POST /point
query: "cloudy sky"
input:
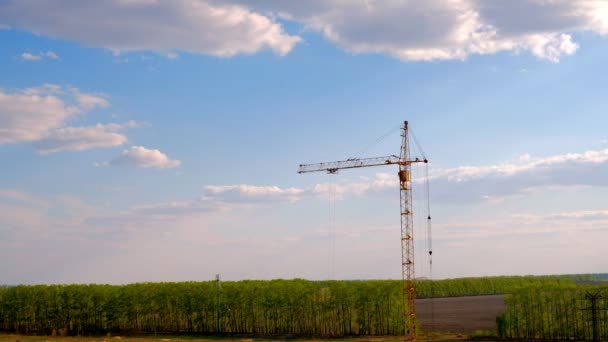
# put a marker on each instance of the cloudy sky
(151, 140)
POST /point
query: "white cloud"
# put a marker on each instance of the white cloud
(571, 161)
(550, 47)
(83, 138)
(552, 242)
(29, 57)
(252, 193)
(38, 57)
(30, 114)
(587, 215)
(405, 29)
(196, 26)
(464, 183)
(492, 181)
(415, 30)
(380, 182)
(227, 197)
(39, 115)
(522, 225)
(142, 157)
(51, 55)
(45, 89)
(88, 101)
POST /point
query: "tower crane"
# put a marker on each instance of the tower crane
(407, 227)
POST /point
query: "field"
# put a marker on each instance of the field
(21, 338)
(296, 307)
(449, 319)
(460, 314)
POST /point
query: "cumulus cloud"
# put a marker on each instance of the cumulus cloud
(30, 114)
(215, 199)
(523, 225)
(38, 57)
(83, 138)
(414, 30)
(222, 198)
(380, 182)
(464, 183)
(88, 101)
(491, 181)
(196, 26)
(252, 194)
(248, 193)
(39, 115)
(226, 197)
(29, 57)
(409, 30)
(51, 55)
(140, 156)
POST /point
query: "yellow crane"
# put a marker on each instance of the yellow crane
(407, 227)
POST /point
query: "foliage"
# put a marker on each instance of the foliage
(286, 307)
(553, 312)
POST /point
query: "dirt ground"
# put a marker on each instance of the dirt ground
(460, 314)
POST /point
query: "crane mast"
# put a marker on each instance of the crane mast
(407, 238)
(407, 227)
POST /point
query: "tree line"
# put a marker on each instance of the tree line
(555, 312)
(285, 307)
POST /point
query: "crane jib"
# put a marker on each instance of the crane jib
(333, 167)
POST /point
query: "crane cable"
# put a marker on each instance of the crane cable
(331, 191)
(375, 142)
(429, 241)
(418, 145)
(429, 236)
(428, 218)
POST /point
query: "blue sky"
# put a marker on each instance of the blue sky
(146, 140)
